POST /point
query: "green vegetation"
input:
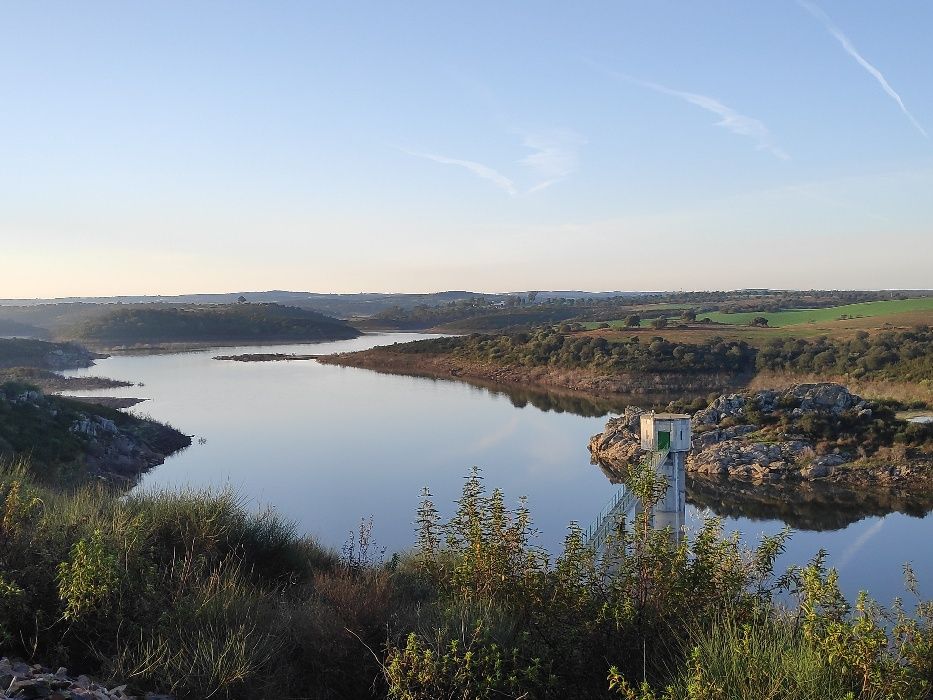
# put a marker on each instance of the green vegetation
(29, 429)
(776, 318)
(185, 593)
(897, 356)
(553, 348)
(207, 323)
(193, 595)
(856, 432)
(476, 314)
(792, 317)
(43, 428)
(522, 312)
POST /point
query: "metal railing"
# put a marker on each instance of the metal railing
(622, 503)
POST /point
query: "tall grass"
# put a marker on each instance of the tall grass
(767, 659)
(188, 593)
(194, 594)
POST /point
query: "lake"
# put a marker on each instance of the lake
(326, 446)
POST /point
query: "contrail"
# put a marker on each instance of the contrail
(853, 52)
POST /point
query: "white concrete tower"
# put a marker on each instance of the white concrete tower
(668, 435)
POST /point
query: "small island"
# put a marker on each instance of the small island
(266, 357)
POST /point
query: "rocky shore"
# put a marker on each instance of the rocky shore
(21, 680)
(81, 439)
(805, 432)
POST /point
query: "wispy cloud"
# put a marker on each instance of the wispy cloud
(484, 171)
(730, 119)
(861, 60)
(554, 156)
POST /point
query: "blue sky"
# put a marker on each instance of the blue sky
(413, 146)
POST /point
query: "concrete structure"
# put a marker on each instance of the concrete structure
(668, 435)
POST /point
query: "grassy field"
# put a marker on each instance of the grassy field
(794, 317)
(759, 337)
(800, 323)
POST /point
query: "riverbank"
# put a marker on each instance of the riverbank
(585, 381)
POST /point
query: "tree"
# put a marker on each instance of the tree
(632, 321)
(688, 315)
(759, 321)
(659, 322)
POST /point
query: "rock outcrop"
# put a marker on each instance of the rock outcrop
(86, 441)
(770, 436)
(21, 680)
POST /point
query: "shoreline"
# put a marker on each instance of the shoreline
(593, 386)
(196, 346)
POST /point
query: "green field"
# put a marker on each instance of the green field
(794, 317)
(797, 317)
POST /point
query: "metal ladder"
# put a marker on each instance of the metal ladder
(622, 503)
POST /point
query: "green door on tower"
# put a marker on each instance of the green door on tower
(664, 440)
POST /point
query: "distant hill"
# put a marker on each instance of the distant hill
(451, 311)
(207, 324)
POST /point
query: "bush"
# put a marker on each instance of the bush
(192, 595)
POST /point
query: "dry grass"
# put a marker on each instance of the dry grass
(874, 389)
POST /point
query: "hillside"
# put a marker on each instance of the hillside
(71, 441)
(22, 352)
(208, 324)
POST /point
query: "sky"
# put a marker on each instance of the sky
(173, 147)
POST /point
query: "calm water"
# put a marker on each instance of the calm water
(327, 446)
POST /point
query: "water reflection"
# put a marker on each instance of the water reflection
(560, 400)
(328, 445)
(807, 505)
(803, 505)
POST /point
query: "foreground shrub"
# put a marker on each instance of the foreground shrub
(186, 593)
(194, 595)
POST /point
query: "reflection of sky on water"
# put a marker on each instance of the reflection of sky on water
(328, 445)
